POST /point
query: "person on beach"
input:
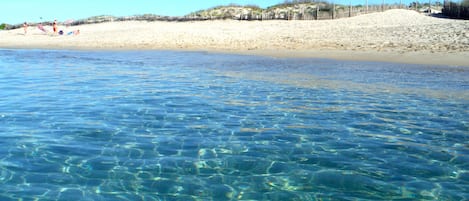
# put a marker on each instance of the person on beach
(54, 26)
(74, 32)
(25, 27)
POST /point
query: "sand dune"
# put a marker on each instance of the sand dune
(394, 35)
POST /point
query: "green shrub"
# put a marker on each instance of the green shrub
(2, 26)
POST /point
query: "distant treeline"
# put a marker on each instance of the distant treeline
(456, 10)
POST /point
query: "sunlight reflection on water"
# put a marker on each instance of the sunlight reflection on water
(80, 125)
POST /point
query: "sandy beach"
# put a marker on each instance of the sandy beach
(395, 35)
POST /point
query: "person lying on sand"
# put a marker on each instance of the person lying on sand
(74, 32)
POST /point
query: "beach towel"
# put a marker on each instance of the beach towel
(40, 27)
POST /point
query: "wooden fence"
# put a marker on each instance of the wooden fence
(456, 10)
(320, 13)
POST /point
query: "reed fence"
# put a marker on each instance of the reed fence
(325, 12)
(456, 10)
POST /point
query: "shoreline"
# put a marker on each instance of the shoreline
(420, 58)
(458, 59)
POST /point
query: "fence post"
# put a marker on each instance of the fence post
(430, 6)
(317, 11)
(333, 10)
(449, 6)
(366, 6)
(350, 9)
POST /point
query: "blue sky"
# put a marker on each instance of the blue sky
(19, 11)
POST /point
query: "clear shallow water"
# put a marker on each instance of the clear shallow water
(78, 125)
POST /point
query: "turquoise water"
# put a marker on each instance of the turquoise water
(151, 125)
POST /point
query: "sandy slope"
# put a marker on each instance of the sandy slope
(394, 35)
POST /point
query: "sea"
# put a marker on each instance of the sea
(172, 125)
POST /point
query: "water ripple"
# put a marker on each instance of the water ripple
(79, 125)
